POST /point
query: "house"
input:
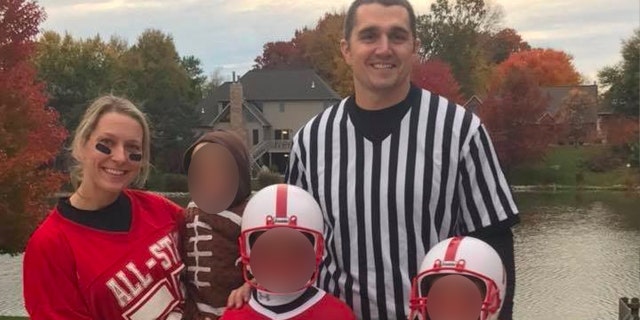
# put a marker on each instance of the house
(473, 104)
(266, 108)
(558, 96)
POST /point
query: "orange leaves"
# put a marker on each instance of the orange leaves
(621, 130)
(435, 76)
(31, 135)
(549, 67)
(511, 113)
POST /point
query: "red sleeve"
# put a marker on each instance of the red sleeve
(50, 287)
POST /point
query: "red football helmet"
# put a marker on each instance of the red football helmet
(280, 206)
(464, 256)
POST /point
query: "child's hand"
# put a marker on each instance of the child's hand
(239, 297)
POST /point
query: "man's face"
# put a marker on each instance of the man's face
(381, 48)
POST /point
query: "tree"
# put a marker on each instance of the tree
(435, 76)
(511, 113)
(162, 87)
(451, 32)
(317, 48)
(574, 113)
(321, 47)
(30, 134)
(214, 80)
(77, 71)
(193, 66)
(281, 55)
(499, 46)
(549, 67)
(621, 130)
(623, 79)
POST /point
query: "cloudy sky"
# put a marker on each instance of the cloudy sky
(229, 34)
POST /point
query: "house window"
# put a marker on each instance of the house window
(283, 134)
(256, 137)
(281, 106)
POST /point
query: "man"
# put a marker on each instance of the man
(396, 170)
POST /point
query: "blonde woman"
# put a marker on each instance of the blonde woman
(107, 252)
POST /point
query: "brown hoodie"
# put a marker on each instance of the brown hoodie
(210, 241)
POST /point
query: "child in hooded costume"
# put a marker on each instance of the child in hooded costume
(220, 185)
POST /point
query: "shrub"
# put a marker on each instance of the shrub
(267, 178)
(176, 183)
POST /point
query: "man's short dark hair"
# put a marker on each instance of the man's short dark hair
(350, 20)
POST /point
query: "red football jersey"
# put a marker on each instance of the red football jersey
(321, 306)
(75, 272)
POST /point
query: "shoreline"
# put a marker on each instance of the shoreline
(514, 188)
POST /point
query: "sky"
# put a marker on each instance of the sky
(229, 34)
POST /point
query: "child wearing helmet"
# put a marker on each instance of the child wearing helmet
(461, 278)
(281, 246)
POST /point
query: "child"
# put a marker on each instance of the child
(281, 246)
(219, 184)
(461, 278)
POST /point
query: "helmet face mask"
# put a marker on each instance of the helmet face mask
(284, 225)
(476, 266)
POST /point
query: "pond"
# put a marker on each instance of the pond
(576, 255)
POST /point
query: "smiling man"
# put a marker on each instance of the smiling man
(396, 170)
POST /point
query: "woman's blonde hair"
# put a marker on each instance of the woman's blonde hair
(100, 107)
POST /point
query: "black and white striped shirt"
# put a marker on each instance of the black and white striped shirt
(388, 198)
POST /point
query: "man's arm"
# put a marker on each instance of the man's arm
(487, 209)
(502, 241)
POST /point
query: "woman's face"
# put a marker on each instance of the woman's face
(454, 297)
(282, 260)
(213, 177)
(106, 158)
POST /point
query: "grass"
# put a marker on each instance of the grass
(12, 318)
(564, 164)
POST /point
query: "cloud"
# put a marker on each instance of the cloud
(230, 34)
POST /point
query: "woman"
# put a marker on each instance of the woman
(107, 252)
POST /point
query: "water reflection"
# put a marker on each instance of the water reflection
(576, 254)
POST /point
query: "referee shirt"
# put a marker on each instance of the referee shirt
(392, 183)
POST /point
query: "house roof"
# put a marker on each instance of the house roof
(282, 85)
(270, 85)
(557, 95)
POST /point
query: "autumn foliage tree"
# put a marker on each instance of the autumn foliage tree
(281, 55)
(453, 31)
(549, 67)
(317, 48)
(500, 45)
(621, 130)
(511, 112)
(435, 76)
(30, 134)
